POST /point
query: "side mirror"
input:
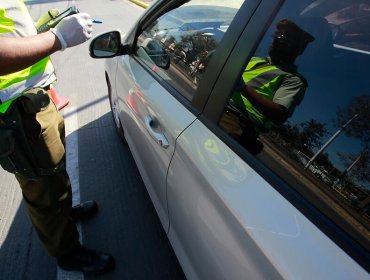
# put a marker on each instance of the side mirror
(107, 45)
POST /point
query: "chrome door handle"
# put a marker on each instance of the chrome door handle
(160, 138)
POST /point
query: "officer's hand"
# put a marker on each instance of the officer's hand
(73, 30)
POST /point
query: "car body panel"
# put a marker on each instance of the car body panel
(140, 96)
(221, 208)
(224, 217)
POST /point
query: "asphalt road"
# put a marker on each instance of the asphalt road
(102, 167)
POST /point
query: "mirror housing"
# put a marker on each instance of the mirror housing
(108, 45)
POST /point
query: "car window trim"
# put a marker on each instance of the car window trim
(157, 10)
(222, 53)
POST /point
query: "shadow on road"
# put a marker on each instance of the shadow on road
(21, 255)
(127, 225)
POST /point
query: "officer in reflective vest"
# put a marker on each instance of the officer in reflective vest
(271, 87)
(32, 143)
(17, 23)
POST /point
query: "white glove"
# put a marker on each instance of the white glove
(73, 30)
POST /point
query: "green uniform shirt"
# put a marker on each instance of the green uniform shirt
(282, 85)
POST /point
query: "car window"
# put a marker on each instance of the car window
(302, 106)
(179, 45)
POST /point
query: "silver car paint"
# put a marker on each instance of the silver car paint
(228, 223)
(141, 96)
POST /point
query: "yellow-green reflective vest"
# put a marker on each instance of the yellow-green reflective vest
(265, 79)
(15, 21)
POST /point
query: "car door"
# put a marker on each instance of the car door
(150, 128)
(156, 84)
(236, 215)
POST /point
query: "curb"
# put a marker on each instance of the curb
(140, 3)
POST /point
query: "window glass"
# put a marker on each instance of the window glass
(178, 45)
(303, 104)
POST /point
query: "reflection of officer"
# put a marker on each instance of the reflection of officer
(272, 87)
(108, 44)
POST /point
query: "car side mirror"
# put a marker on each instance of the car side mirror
(108, 45)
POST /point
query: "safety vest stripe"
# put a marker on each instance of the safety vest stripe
(265, 77)
(6, 23)
(5, 106)
(42, 72)
(7, 81)
(15, 24)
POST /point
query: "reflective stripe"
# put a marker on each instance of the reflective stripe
(15, 21)
(265, 79)
(6, 23)
(38, 75)
(8, 80)
(5, 106)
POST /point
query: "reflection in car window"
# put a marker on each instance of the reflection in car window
(179, 45)
(106, 45)
(303, 107)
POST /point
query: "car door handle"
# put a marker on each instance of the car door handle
(160, 138)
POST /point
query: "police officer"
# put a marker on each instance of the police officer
(38, 159)
(271, 87)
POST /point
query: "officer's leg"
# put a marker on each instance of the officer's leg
(242, 130)
(230, 123)
(48, 199)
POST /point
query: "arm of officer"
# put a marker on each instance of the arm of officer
(275, 112)
(19, 53)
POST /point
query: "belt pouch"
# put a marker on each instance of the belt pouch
(14, 156)
(35, 100)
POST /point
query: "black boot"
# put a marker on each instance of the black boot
(86, 260)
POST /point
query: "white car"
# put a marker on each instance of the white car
(232, 211)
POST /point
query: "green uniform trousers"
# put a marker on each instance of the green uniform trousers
(49, 198)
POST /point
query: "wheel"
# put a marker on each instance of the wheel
(115, 112)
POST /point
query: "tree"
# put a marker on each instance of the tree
(359, 111)
(357, 165)
(323, 160)
(356, 119)
(287, 132)
(311, 133)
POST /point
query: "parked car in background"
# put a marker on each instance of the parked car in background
(230, 213)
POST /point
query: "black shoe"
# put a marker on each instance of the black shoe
(84, 210)
(87, 261)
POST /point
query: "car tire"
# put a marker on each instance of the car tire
(114, 110)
